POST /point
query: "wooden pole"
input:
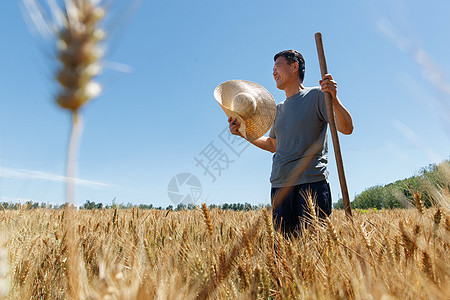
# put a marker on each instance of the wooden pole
(332, 123)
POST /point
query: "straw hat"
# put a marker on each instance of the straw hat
(251, 104)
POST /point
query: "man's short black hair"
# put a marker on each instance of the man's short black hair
(293, 56)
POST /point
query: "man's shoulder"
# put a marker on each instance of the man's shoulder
(312, 90)
(306, 92)
(313, 94)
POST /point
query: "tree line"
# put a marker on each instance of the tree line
(91, 205)
(399, 194)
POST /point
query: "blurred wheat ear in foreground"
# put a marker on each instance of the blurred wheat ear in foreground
(74, 27)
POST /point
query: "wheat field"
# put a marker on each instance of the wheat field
(218, 254)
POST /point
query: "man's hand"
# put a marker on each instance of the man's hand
(329, 85)
(265, 143)
(234, 126)
(344, 122)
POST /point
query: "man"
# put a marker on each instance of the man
(300, 122)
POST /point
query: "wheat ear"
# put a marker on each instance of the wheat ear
(419, 203)
(207, 218)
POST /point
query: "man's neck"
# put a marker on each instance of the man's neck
(293, 89)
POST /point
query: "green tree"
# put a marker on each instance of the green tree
(369, 198)
(339, 204)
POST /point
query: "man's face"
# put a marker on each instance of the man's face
(283, 73)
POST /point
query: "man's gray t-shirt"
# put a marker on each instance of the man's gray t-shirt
(300, 121)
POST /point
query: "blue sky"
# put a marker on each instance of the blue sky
(390, 59)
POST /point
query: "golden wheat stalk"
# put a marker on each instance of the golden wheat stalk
(247, 241)
(332, 230)
(427, 266)
(419, 203)
(269, 228)
(311, 211)
(437, 217)
(207, 218)
(409, 243)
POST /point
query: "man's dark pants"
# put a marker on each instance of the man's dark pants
(290, 213)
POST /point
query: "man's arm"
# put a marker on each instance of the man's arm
(265, 143)
(342, 117)
(344, 122)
